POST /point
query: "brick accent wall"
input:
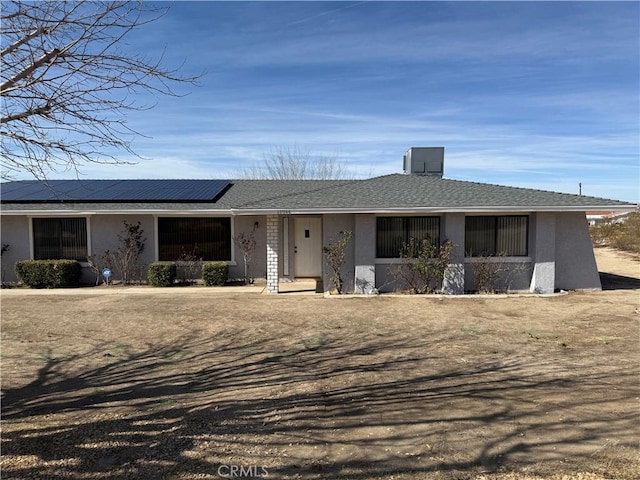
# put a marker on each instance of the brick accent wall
(272, 253)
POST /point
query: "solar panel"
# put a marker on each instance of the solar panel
(113, 190)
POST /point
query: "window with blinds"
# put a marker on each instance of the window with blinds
(206, 238)
(60, 239)
(393, 233)
(497, 235)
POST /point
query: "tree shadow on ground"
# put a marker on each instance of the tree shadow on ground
(324, 408)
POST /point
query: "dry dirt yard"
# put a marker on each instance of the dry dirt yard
(189, 383)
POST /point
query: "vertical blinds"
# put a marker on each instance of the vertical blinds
(206, 238)
(60, 239)
(502, 235)
(392, 233)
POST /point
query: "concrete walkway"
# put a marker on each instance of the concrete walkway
(290, 288)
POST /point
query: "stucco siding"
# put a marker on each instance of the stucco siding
(104, 230)
(15, 233)
(576, 267)
(332, 225)
(515, 275)
(453, 231)
(258, 265)
(365, 254)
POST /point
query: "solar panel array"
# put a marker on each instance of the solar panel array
(113, 190)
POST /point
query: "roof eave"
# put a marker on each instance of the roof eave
(6, 210)
(124, 211)
(438, 209)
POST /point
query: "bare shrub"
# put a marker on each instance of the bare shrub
(98, 263)
(188, 266)
(246, 243)
(422, 265)
(334, 254)
(493, 273)
(126, 259)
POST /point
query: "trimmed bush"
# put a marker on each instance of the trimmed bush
(48, 273)
(215, 273)
(162, 274)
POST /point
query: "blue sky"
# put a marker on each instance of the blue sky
(541, 94)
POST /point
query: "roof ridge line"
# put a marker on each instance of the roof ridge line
(313, 190)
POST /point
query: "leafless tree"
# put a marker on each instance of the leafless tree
(294, 163)
(246, 243)
(67, 82)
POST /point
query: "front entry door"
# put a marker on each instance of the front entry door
(308, 247)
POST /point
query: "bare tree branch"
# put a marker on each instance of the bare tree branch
(67, 81)
(293, 163)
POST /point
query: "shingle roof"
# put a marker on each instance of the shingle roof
(389, 192)
(411, 191)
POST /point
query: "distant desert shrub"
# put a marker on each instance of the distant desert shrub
(622, 236)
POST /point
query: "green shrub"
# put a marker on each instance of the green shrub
(162, 274)
(48, 273)
(215, 273)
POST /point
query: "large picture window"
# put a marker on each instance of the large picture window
(392, 233)
(206, 238)
(496, 235)
(60, 239)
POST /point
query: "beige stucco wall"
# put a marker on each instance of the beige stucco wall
(14, 231)
(573, 259)
(103, 235)
(259, 261)
(332, 225)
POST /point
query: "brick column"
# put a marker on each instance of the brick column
(272, 253)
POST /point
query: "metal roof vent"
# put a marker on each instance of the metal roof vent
(424, 161)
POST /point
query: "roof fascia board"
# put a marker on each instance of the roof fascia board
(190, 212)
(317, 211)
(484, 209)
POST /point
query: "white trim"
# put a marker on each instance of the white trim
(89, 243)
(388, 261)
(141, 211)
(232, 222)
(523, 209)
(156, 242)
(494, 259)
(498, 259)
(285, 246)
(318, 211)
(31, 246)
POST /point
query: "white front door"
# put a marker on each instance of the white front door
(308, 247)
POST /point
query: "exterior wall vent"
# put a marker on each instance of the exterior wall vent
(424, 161)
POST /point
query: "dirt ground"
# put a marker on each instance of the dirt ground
(244, 385)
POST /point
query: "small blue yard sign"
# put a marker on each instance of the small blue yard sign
(106, 273)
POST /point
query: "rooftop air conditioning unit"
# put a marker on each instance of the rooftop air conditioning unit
(424, 161)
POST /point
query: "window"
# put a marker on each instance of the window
(506, 235)
(394, 232)
(60, 239)
(209, 238)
